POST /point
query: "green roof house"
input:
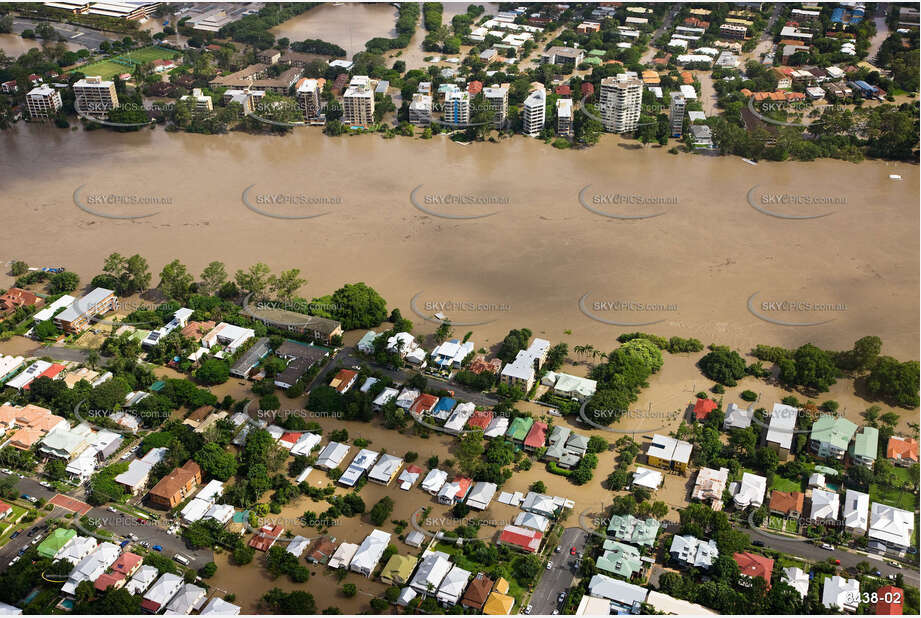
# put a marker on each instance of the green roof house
(593, 60)
(519, 429)
(629, 529)
(619, 559)
(55, 542)
(831, 436)
(597, 52)
(863, 450)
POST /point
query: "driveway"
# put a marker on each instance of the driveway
(559, 578)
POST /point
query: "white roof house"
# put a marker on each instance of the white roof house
(841, 593)
(385, 469)
(459, 417)
(532, 520)
(618, 592)
(574, 387)
(24, 378)
(332, 455)
(797, 579)
(452, 353)
(219, 607)
(142, 579)
(414, 539)
(891, 526)
(342, 556)
(386, 396)
(497, 427)
(188, 598)
(736, 417)
(408, 477)
(825, 505)
(163, 590)
(856, 511)
(751, 491)
(522, 368)
(194, 510)
(406, 398)
(360, 464)
(91, 567)
(48, 312)
(228, 335)
(540, 504)
(297, 545)
(481, 495)
(650, 479)
(219, 512)
(368, 383)
(688, 91)
(710, 485)
(691, 551)
(670, 605)
(305, 443)
(369, 552)
(431, 572)
(77, 549)
(780, 428)
(138, 470)
(434, 481)
(453, 586)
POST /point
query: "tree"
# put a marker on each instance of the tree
(56, 469)
(349, 590)
(815, 368)
(381, 511)
(895, 382)
(63, 282)
(18, 267)
(357, 305)
(287, 283)
(255, 280)
(175, 281)
(216, 462)
(723, 365)
(469, 450)
(213, 371)
(212, 278)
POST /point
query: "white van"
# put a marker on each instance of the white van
(182, 560)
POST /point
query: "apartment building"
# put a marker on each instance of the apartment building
(676, 114)
(43, 102)
(520, 372)
(358, 103)
(534, 113)
(733, 31)
(420, 110)
(564, 117)
(176, 486)
(200, 102)
(457, 107)
(308, 99)
(256, 77)
(497, 99)
(621, 100)
(95, 96)
(77, 317)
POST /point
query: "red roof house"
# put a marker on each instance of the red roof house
(703, 407)
(889, 601)
(521, 538)
(344, 380)
(290, 438)
(5, 509)
(564, 90)
(537, 436)
(127, 564)
(480, 419)
(755, 565)
(51, 372)
(902, 450)
(266, 537)
(475, 87)
(423, 404)
(109, 580)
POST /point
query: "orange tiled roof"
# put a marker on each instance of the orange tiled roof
(786, 502)
(902, 448)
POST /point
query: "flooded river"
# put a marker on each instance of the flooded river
(349, 26)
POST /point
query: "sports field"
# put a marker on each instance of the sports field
(124, 63)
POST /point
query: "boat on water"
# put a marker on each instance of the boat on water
(749, 161)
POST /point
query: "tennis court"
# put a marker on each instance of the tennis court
(71, 504)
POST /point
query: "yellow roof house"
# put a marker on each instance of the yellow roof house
(398, 569)
(498, 605)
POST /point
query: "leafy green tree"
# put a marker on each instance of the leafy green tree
(216, 462)
(175, 281)
(63, 282)
(212, 278)
(213, 371)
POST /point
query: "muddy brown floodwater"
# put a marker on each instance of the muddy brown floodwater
(349, 26)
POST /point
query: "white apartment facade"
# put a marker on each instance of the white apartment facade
(621, 100)
(95, 96)
(358, 103)
(43, 102)
(534, 113)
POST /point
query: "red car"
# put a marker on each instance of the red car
(572, 551)
(837, 562)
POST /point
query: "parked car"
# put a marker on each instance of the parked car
(827, 546)
(15, 534)
(557, 550)
(527, 610)
(111, 509)
(549, 564)
(572, 550)
(758, 543)
(157, 548)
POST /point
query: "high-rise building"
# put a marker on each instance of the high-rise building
(420, 110)
(676, 114)
(43, 102)
(358, 103)
(308, 99)
(457, 107)
(200, 102)
(95, 96)
(621, 101)
(497, 99)
(534, 112)
(564, 117)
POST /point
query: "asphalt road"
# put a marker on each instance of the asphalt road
(72, 34)
(60, 353)
(559, 578)
(814, 553)
(30, 487)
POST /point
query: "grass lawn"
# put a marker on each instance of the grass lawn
(782, 484)
(893, 497)
(515, 589)
(775, 522)
(7, 528)
(109, 68)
